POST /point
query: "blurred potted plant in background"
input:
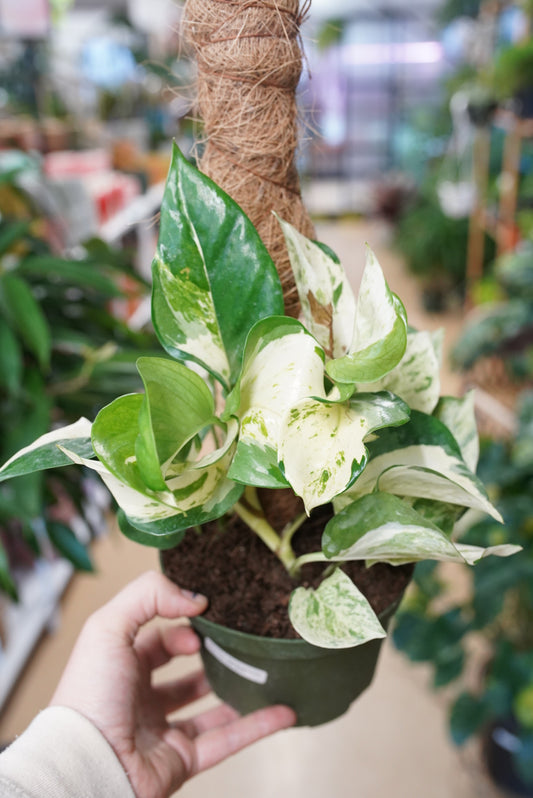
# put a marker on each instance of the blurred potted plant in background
(511, 76)
(498, 612)
(62, 353)
(503, 328)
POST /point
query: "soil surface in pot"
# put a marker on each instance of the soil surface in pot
(249, 589)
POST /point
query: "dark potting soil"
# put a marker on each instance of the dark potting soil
(247, 586)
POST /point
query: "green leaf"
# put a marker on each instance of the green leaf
(73, 272)
(421, 459)
(468, 715)
(326, 297)
(335, 615)
(282, 363)
(380, 334)
(322, 443)
(459, 416)
(11, 359)
(68, 545)
(213, 276)
(45, 453)
(192, 490)
(11, 233)
(449, 664)
(381, 527)
(7, 583)
(24, 315)
(416, 378)
(176, 407)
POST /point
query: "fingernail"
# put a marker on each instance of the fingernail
(193, 596)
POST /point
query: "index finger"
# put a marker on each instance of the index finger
(148, 596)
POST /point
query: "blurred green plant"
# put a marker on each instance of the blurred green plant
(62, 353)
(505, 327)
(434, 245)
(498, 608)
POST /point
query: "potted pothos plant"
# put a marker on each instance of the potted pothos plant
(341, 409)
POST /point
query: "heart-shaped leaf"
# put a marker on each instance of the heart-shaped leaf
(335, 615)
(213, 278)
(421, 459)
(176, 407)
(45, 453)
(282, 364)
(322, 443)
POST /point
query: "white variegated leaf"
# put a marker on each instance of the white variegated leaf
(380, 527)
(426, 472)
(322, 443)
(473, 554)
(148, 506)
(459, 416)
(197, 334)
(326, 297)
(380, 331)
(335, 615)
(416, 378)
(45, 452)
(278, 371)
(191, 489)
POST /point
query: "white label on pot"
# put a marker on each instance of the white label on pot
(249, 672)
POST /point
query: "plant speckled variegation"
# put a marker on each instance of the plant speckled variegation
(342, 406)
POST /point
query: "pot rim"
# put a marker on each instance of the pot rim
(283, 646)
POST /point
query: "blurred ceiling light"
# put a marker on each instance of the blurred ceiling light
(393, 53)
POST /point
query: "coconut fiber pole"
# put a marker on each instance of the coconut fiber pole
(249, 63)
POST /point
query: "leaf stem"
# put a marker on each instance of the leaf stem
(286, 554)
(258, 524)
(250, 510)
(315, 556)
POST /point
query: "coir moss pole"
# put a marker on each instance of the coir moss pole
(249, 63)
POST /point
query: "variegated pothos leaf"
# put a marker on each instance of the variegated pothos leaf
(335, 615)
(326, 297)
(380, 332)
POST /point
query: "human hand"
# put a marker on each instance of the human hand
(108, 680)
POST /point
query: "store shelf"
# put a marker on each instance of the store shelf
(25, 622)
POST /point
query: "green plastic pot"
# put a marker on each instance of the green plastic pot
(250, 672)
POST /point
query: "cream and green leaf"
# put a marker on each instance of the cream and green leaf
(416, 378)
(213, 276)
(380, 527)
(335, 615)
(380, 332)
(322, 446)
(420, 460)
(326, 296)
(282, 364)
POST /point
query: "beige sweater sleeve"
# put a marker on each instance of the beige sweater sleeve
(62, 755)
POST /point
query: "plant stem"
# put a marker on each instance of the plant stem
(286, 554)
(258, 524)
(251, 512)
(315, 556)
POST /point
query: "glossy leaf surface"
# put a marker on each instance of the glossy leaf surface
(335, 615)
(380, 332)
(322, 443)
(282, 364)
(45, 453)
(213, 276)
(326, 297)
